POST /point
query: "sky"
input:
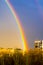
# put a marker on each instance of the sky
(9, 32)
(30, 13)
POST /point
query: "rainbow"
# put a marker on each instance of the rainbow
(25, 47)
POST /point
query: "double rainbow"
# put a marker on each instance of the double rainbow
(19, 24)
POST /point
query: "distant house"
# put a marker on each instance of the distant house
(38, 44)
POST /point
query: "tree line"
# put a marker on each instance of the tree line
(32, 57)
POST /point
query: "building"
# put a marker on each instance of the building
(39, 44)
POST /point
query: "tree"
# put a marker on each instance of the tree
(8, 60)
(18, 58)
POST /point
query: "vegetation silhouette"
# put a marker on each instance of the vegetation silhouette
(32, 57)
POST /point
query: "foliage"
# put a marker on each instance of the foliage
(32, 57)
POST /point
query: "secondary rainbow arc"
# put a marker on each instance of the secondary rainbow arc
(25, 47)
